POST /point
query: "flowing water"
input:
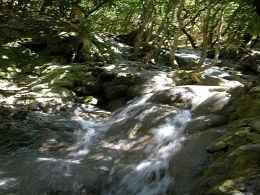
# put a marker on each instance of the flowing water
(58, 172)
(150, 174)
(129, 153)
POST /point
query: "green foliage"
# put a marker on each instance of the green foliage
(155, 18)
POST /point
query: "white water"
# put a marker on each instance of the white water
(150, 175)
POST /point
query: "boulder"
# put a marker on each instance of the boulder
(148, 81)
(205, 122)
(187, 59)
(215, 104)
(180, 97)
(188, 164)
(250, 62)
(235, 170)
(238, 173)
(113, 91)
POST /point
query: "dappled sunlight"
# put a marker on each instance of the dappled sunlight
(148, 174)
(7, 183)
(78, 116)
(5, 57)
(110, 67)
(124, 144)
(71, 161)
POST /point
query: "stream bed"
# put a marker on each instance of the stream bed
(134, 150)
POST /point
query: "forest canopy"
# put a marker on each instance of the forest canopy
(153, 24)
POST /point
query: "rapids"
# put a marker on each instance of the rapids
(155, 144)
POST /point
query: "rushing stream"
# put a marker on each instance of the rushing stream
(130, 153)
(150, 174)
(136, 150)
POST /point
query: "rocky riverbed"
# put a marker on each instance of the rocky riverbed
(104, 127)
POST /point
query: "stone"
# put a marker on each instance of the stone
(177, 96)
(191, 160)
(215, 104)
(205, 122)
(250, 62)
(115, 104)
(255, 124)
(238, 172)
(187, 59)
(114, 91)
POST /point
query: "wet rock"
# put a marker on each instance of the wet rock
(238, 173)
(178, 97)
(188, 164)
(114, 91)
(141, 120)
(138, 90)
(187, 59)
(115, 104)
(148, 81)
(250, 62)
(205, 122)
(215, 104)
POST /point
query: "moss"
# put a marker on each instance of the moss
(15, 58)
(236, 169)
(68, 76)
(91, 100)
(247, 110)
(234, 138)
(232, 174)
(255, 124)
(242, 170)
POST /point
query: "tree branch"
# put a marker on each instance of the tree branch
(102, 3)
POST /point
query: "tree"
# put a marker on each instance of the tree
(177, 33)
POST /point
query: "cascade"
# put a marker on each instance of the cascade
(150, 174)
(131, 152)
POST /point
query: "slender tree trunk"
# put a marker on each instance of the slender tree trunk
(148, 9)
(167, 20)
(149, 33)
(177, 35)
(205, 34)
(217, 44)
(82, 32)
(190, 38)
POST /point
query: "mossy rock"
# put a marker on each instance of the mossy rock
(237, 173)
(255, 124)
(13, 58)
(68, 76)
(236, 169)
(248, 106)
(231, 140)
(16, 58)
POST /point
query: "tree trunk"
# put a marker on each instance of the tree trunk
(167, 20)
(205, 34)
(190, 38)
(217, 44)
(148, 9)
(89, 49)
(177, 35)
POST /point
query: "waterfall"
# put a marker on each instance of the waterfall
(150, 175)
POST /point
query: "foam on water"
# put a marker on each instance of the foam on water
(150, 175)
